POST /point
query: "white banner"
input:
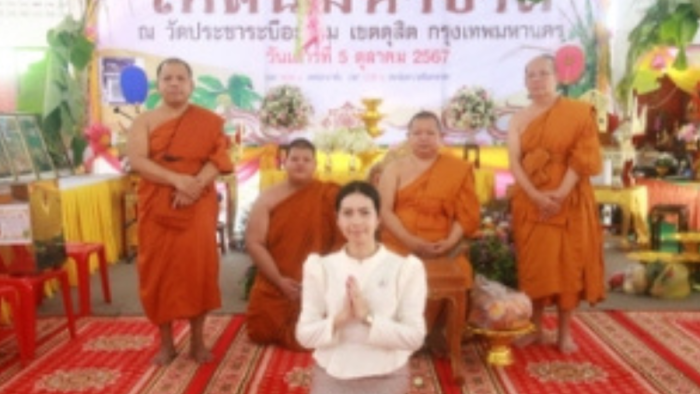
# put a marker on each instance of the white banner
(412, 54)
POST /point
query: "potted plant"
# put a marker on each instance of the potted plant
(69, 56)
(492, 253)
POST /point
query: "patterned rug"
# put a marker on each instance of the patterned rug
(620, 353)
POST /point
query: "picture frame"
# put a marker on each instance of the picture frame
(34, 141)
(15, 149)
(5, 167)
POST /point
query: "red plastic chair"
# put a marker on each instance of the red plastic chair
(27, 286)
(80, 252)
(11, 296)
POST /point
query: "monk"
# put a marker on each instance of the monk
(428, 200)
(288, 222)
(178, 149)
(553, 149)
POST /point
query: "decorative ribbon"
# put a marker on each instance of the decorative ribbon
(308, 26)
(302, 11)
(313, 25)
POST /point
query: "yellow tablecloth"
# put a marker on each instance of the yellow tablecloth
(634, 203)
(93, 212)
(484, 180)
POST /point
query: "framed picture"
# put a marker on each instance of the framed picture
(15, 148)
(53, 143)
(34, 141)
(111, 68)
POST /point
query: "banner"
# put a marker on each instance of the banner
(411, 54)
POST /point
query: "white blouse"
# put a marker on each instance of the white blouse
(395, 289)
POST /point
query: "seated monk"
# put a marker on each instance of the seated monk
(428, 200)
(179, 150)
(288, 222)
(553, 151)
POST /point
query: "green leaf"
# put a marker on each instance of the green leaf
(153, 100)
(77, 146)
(81, 52)
(68, 122)
(688, 28)
(204, 98)
(240, 89)
(696, 7)
(52, 122)
(669, 31)
(211, 83)
(54, 92)
(681, 62)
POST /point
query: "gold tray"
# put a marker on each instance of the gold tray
(499, 341)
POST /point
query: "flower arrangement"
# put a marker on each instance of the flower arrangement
(285, 107)
(354, 141)
(492, 253)
(349, 140)
(665, 160)
(470, 108)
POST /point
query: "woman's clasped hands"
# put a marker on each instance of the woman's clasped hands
(354, 305)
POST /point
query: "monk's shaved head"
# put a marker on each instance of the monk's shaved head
(425, 115)
(549, 59)
(302, 144)
(173, 60)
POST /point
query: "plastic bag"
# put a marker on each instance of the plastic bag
(672, 283)
(497, 307)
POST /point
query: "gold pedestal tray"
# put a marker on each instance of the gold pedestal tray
(499, 352)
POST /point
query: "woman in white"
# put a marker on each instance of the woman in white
(362, 307)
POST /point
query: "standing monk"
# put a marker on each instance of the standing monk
(288, 222)
(553, 150)
(178, 149)
(428, 200)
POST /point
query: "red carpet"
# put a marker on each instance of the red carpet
(620, 353)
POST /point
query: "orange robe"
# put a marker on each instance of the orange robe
(428, 207)
(178, 260)
(560, 260)
(302, 224)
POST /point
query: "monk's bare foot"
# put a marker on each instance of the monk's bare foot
(164, 357)
(202, 355)
(567, 345)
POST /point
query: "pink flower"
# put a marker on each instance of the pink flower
(569, 63)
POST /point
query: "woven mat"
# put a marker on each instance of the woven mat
(630, 352)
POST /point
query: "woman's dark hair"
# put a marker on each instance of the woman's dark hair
(362, 187)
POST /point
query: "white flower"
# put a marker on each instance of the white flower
(326, 141)
(354, 141)
(285, 107)
(470, 108)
